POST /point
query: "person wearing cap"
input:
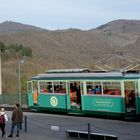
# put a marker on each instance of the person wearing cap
(3, 119)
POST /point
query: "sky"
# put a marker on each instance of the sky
(64, 14)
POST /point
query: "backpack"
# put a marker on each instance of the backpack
(2, 119)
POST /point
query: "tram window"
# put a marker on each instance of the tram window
(112, 88)
(43, 87)
(35, 85)
(94, 88)
(49, 87)
(130, 93)
(59, 87)
(29, 87)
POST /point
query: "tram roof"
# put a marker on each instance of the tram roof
(86, 73)
(78, 75)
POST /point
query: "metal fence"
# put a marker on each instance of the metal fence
(12, 99)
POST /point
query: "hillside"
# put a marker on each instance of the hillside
(65, 48)
(120, 32)
(11, 27)
(71, 48)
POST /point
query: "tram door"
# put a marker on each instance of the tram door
(130, 88)
(75, 91)
(35, 93)
(30, 93)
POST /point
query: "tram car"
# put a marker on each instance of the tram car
(80, 91)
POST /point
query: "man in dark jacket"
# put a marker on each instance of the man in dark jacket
(17, 117)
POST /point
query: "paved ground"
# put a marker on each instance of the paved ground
(41, 127)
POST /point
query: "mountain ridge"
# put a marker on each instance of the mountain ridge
(70, 48)
(11, 26)
(104, 39)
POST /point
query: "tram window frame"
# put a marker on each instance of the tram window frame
(47, 87)
(35, 85)
(29, 86)
(111, 88)
(130, 91)
(43, 87)
(59, 87)
(91, 87)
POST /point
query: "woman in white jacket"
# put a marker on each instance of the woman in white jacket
(3, 119)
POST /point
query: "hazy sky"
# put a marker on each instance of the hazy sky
(62, 14)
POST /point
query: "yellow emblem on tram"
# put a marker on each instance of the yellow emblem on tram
(54, 101)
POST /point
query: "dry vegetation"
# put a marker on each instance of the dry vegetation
(70, 48)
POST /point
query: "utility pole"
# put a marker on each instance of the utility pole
(19, 81)
(20, 62)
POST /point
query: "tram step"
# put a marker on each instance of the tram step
(131, 118)
(75, 107)
(34, 110)
(130, 111)
(75, 112)
(130, 114)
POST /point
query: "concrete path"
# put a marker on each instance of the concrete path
(41, 126)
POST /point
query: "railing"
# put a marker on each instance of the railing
(12, 99)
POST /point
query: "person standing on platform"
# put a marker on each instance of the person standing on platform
(3, 119)
(17, 117)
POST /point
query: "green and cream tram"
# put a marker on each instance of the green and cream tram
(81, 91)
